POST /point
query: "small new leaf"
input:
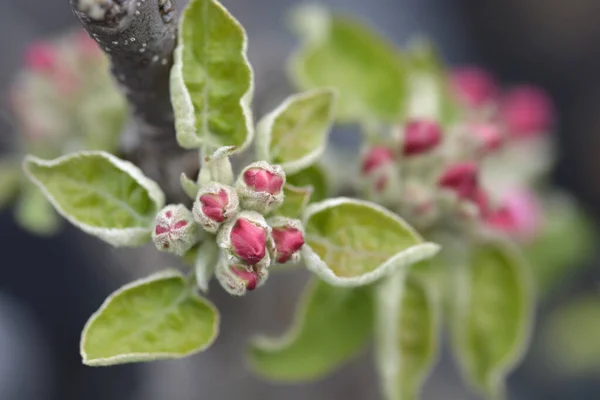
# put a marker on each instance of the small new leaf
(205, 264)
(492, 315)
(295, 134)
(211, 79)
(100, 194)
(313, 177)
(295, 200)
(188, 185)
(407, 324)
(346, 55)
(158, 317)
(331, 326)
(353, 243)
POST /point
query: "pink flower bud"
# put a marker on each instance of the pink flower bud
(421, 136)
(40, 56)
(288, 236)
(260, 187)
(215, 203)
(461, 178)
(489, 136)
(377, 157)
(473, 86)
(527, 111)
(238, 279)
(246, 239)
(174, 230)
(519, 215)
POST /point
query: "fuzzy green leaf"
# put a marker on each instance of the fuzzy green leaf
(158, 317)
(100, 194)
(211, 79)
(342, 53)
(295, 201)
(353, 243)
(295, 134)
(331, 326)
(313, 177)
(492, 315)
(407, 324)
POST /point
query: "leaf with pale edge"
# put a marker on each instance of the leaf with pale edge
(331, 326)
(491, 315)
(295, 134)
(353, 243)
(100, 194)
(344, 54)
(211, 79)
(407, 323)
(155, 318)
(295, 201)
(313, 177)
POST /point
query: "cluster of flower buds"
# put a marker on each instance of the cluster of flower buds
(433, 175)
(65, 86)
(250, 239)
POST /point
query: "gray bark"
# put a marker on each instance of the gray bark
(139, 37)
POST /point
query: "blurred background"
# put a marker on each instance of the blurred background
(49, 286)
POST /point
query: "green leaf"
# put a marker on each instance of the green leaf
(407, 326)
(492, 315)
(344, 54)
(211, 79)
(100, 194)
(428, 92)
(353, 243)
(331, 326)
(295, 201)
(158, 317)
(570, 338)
(10, 179)
(295, 134)
(206, 263)
(35, 214)
(189, 186)
(313, 177)
(551, 256)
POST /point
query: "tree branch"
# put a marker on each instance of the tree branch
(139, 37)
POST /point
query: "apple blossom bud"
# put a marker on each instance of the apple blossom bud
(174, 230)
(489, 136)
(288, 235)
(238, 279)
(40, 56)
(247, 239)
(377, 157)
(260, 187)
(215, 203)
(527, 111)
(421, 136)
(519, 215)
(473, 86)
(461, 178)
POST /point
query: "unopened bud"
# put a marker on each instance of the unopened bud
(247, 239)
(215, 203)
(519, 215)
(421, 136)
(527, 111)
(238, 279)
(260, 187)
(473, 86)
(461, 178)
(288, 236)
(40, 56)
(488, 135)
(174, 230)
(377, 157)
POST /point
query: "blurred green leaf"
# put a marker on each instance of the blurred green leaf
(491, 316)
(343, 53)
(295, 201)
(331, 326)
(34, 212)
(10, 181)
(314, 177)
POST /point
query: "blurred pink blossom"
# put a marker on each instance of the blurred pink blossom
(527, 111)
(473, 86)
(519, 215)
